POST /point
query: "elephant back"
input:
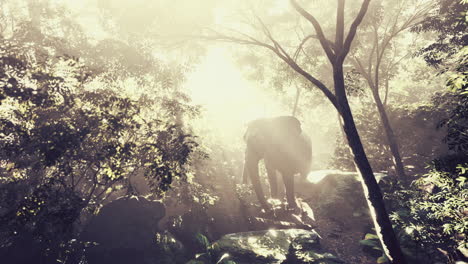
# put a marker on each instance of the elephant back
(282, 141)
(273, 129)
(293, 155)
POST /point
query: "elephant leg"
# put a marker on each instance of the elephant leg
(288, 179)
(273, 179)
(252, 167)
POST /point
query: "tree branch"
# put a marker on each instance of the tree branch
(339, 25)
(273, 40)
(299, 48)
(357, 64)
(321, 36)
(352, 30)
(281, 53)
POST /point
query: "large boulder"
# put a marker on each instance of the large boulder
(129, 220)
(341, 210)
(271, 246)
(303, 250)
(126, 231)
(335, 194)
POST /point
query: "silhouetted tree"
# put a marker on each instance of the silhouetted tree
(336, 52)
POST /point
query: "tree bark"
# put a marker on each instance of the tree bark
(391, 138)
(371, 189)
(392, 141)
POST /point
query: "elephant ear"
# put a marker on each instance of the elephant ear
(288, 124)
(255, 129)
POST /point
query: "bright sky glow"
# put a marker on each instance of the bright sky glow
(228, 99)
(87, 15)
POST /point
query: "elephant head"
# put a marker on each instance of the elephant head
(280, 142)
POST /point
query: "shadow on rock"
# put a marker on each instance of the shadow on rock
(125, 231)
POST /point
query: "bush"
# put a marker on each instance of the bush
(431, 216)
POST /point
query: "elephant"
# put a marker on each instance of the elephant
(284, 147)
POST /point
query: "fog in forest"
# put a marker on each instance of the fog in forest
(233, 132)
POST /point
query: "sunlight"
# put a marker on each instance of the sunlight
(87, 15)
(279, 6)
(228, 99)
(317, 176)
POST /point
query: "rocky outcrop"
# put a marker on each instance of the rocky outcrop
(285, 246)
(341, 211)
(125, 231)
(335, 194)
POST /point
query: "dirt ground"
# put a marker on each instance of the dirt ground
(341, 238)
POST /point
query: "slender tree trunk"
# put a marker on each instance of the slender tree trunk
(372, 190)
(386, 92)
(392, 141)
(340, 122)
(391, 138)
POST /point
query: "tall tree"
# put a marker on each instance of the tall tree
(376, 67)
(336, 52)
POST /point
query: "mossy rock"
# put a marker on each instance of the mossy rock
(273, 246)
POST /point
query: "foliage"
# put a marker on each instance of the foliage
(449, 22)
(412, 249)
(210, 253)
(457, 121)
(72, 133)
(64, 148)
(415, 127)
(354, 83)
(457, 80)
(372, 241)
(430, 217)
(457, 125)
(432, 214)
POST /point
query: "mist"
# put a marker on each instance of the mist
(231, 132)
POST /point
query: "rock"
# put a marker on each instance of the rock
(271, 246)
(127, 221)
(334, 194)
(462, 251)
(303, 250)
(282, 217)
(125, 231)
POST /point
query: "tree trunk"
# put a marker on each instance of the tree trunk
(392, 141)
(386, 92)
(390, 135)
(372, 190)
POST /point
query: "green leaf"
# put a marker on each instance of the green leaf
(382, 259)
(369, 243)
(203, 240)
(371, 236)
